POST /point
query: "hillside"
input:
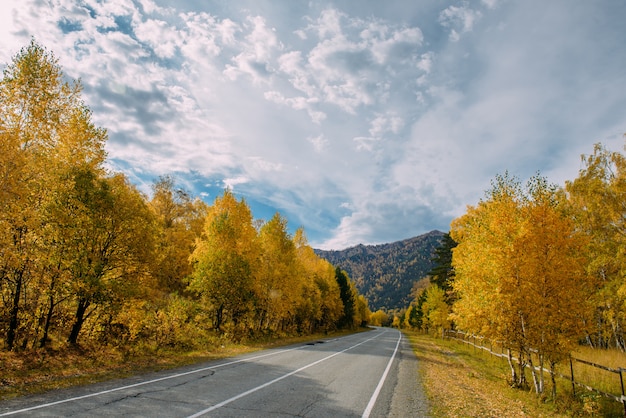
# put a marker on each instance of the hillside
(386, 273)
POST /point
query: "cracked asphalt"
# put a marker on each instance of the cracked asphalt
(372, 374)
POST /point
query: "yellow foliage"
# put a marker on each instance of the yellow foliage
(435, 310)
(83, 248)
(379, 318)
(520, 271)
(596, 200)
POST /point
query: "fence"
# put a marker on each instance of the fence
(467, 339)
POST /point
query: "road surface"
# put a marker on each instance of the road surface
(369, 374)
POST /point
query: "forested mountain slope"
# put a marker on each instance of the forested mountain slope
(386, 273)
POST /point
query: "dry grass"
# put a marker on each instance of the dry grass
(43, 370)
(610, 358)
(598, 378)
(461, 382)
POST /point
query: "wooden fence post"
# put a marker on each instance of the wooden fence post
(621, 381)
(571, 369)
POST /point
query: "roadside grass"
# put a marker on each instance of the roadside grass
(62, 366)
(461, 381)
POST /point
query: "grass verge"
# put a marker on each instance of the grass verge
(462, 382)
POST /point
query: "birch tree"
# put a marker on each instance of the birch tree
(278, 285)
(320, 306)
(44, 128)
(598, 200)
(225, 262)
(520, 273)
(179, 221)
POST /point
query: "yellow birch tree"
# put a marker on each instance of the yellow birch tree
(520, 273)
(320, 306)
(225, 262)
(598, 200)
(44, 128)
(278, 284)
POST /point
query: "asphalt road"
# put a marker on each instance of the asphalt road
(366, 374)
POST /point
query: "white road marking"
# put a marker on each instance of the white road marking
(46, 405)
(372, 401)
(271, 382)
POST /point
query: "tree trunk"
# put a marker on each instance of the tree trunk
(217, 320)
(617, 335)
(542, 384)
(553, 379)
(533, 373)
(14, 312)
(46, 327)
(512, 366)
(79, 319)
(521, 376)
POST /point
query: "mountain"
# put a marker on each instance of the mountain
(385, 273)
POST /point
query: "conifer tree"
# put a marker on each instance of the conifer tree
(442, 274)
(347, 298)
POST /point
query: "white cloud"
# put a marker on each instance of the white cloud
(297, 103)
(258, 49)
(200, 36)
(163, 38)
(230, 183)
(350, 53)
(459, 19)
(425, 62)
(319, 142)
(491, 4)
(381, 49)
(365, 143)
(328, 25)
(386, 123)
(150, 7)
(351, 120)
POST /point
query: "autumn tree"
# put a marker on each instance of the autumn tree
(278, 285)
(84, 254)
(106, 230)
(179, 220)
(379, 318)
(44, 128)
(320, 306)
(558, 290)
(435, 310)
(597, 198)
(519, 272)
(225, 261)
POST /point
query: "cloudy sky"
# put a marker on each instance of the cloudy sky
(364, 121)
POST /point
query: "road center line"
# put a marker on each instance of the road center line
(91, 395)
(372, 401)
(271, 382)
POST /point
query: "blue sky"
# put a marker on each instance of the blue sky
(362, 121)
